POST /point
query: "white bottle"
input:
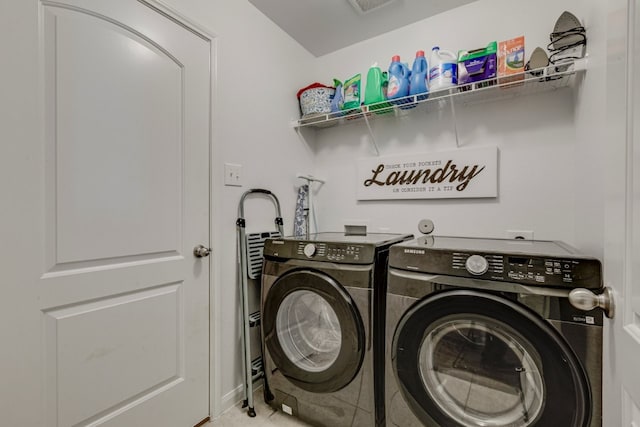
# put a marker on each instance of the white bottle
(444, 69)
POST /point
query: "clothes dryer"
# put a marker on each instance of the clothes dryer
(320, 303)
(481, 332)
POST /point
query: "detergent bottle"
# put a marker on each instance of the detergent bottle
(376, 86)
(444, 69)
(419, 76)
(398, 79)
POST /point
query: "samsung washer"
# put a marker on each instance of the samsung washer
(480, 332)
(319, 300)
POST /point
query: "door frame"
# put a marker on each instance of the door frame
(214, 265)
(621, 402)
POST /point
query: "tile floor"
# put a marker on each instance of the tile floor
(266, 416)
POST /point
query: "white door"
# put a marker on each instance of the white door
(622, 246)
(104, 180)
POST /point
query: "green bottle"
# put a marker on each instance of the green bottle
(374, 93)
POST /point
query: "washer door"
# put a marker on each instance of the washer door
(472, 359)
(313, 331)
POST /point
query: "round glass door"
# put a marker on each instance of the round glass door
(308, 330)
(464, 358)
(313, 331)
(481, 372)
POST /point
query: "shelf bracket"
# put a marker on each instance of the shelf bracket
(373, 139)
(304, 138)
(455, 121)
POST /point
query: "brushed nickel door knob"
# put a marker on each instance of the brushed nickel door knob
(201, 251)
(584, 299)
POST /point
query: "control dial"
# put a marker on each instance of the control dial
(309, 250)
(477, 265)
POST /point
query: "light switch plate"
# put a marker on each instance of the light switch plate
(233, 175)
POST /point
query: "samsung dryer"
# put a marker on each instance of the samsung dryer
(319, 301)
(480, 332)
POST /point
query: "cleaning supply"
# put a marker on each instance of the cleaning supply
(443, 73)
(418, 81)
(511, 60)
(315, 99)
(398, 79)
(352, 93)
(376, 87)
(336, 102)
(478, 66)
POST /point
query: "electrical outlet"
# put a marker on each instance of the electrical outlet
(233, 175)
(520, 234)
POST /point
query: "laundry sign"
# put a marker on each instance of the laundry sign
(456, 174)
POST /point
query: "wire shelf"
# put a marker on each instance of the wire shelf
(529, 82)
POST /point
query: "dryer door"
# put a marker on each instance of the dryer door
(468, 358)
(313, 331)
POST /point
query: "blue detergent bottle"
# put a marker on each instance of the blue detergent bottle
(419, 76)
(398, 79)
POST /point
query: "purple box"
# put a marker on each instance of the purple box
(478, 65)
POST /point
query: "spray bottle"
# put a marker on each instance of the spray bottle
(336, 102)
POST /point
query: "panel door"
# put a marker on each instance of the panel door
(106, 308)
(621, 375)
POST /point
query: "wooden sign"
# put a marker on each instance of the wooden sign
(456, 174)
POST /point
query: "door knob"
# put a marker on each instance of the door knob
(201, 251)
(584, 299)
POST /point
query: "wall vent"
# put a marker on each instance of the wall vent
(365, 6)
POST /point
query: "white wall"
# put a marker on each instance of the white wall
(547, 176)
(591, 138)
(259, 70)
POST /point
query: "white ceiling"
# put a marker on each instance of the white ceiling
(324, 26)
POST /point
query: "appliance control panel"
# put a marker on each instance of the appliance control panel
(558, 272)
(337, 252)
(540, 270)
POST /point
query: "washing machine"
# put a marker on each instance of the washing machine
(320, 297)
(482, 332)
